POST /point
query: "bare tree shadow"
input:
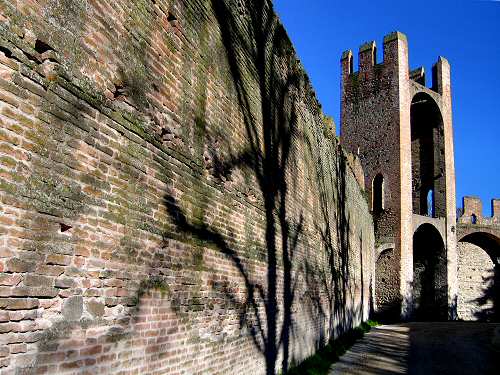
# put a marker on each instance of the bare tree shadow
(271, 133)
(334, 230)
(490, 300)
(270, 88)
(267, 155)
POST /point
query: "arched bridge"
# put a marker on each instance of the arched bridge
(479, 233)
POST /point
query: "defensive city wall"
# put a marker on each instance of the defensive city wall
(172, 198)
(174, 201)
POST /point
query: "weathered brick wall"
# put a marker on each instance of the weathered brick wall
(171, 199)
(471, 206)
(476, 279)
(478, 262)
(495, 208)
(370, 128)
(385, 284)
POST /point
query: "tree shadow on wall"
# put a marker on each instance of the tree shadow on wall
(490, 300)
(330, 280)
(267, 156)
(270, 116)
(61, 203)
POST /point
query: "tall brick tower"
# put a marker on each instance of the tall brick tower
(402, 132)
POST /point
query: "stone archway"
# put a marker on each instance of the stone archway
(429, 274)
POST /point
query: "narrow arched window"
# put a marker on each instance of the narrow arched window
(473, 219)
(378, 194)
(430, 203)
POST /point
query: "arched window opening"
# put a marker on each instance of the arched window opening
(473, 219)
(378, 194)
(430, 203)
(351, 64)
(427, 154)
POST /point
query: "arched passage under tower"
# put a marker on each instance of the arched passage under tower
(429, 274)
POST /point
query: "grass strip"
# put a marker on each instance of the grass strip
(320, 363)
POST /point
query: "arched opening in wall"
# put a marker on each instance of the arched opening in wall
(378, 194)
(473, 219)
(351, 64)
(429, 274)
(427, 154)
(479, 277)
(386, 285)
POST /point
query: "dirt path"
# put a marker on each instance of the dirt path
(425, 349)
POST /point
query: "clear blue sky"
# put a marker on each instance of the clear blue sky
(466, 32)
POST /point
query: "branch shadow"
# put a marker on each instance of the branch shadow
(271, 112)
(270, 131)
(490, 300)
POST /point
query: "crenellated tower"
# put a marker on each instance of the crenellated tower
(402, 132)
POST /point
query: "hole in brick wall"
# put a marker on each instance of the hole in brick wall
(6, 52)
(171, 18)
(9, 55)
(65, 227)
(155, 87)
(42, 47)
(119, 91)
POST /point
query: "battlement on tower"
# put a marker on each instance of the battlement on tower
(395, 53)
(367, 54)
(472, 211)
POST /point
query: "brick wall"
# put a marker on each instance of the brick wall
(171, 199)
(478, 262)
(370, 128)
(476, 283)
